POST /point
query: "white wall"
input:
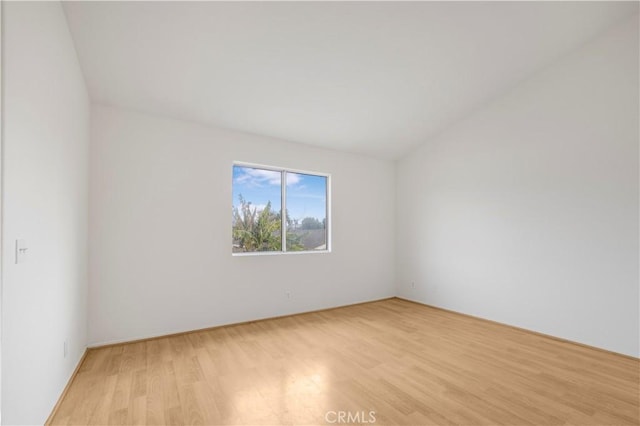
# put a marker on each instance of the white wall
(527, 211)
(45, 201)
(160, 221)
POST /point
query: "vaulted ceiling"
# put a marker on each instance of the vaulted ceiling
(371, 77)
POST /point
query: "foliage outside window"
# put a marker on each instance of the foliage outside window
(262, 194)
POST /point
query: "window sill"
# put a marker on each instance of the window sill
(278, 253)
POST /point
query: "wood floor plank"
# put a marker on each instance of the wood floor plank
(406, 363)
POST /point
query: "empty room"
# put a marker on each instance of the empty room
(320, 213)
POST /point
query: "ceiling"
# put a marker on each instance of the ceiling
(376, 78)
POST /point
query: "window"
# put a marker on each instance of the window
(278, 210)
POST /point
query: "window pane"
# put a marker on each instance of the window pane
(306, 201)
(257, 206)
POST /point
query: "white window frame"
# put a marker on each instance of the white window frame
(283, 206)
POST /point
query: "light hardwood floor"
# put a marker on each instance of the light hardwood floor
(409, 363)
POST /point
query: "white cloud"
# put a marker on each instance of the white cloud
(292, 179)
(258, 177)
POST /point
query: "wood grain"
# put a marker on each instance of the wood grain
(408, 363)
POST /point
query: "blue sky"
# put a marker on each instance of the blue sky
(306, 194)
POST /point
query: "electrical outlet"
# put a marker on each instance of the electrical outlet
(413, 285)
(288, 293)
(65, 348)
